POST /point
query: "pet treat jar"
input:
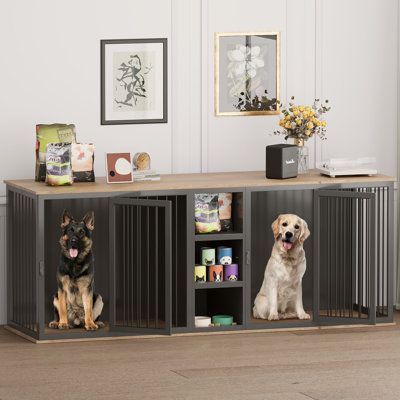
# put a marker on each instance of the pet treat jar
(215, 273)
(224, 255)
(207, 256)
(231, 272)
(200, 272)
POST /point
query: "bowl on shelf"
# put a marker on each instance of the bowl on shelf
(202, 321)
(222, 320)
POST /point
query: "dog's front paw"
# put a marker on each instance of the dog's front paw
(304, 315)
(53, 325)
(90, 326)
(273, 317)
(63, 325)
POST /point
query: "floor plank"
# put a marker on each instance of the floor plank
(323, 365)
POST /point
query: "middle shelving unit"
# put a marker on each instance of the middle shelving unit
(225, 296)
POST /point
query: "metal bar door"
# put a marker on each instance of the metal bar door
(140, 270)
(344, 247)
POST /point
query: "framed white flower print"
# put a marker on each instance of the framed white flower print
(247, 73)
(134, 81)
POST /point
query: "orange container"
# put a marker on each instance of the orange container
(215, 273)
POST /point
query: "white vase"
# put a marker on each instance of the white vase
(302, 156)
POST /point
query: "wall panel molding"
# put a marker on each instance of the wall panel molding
(186, 85)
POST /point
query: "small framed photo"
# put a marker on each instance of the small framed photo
(119, 168)
(134, 76)
(247, 73)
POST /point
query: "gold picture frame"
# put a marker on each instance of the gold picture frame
(245, 106)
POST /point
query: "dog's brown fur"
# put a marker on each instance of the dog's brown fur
(75, 302)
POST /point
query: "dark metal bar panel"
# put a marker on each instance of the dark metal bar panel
(142, 265)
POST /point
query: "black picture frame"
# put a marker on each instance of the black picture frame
(103, 43)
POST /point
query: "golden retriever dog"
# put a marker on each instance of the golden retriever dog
(280, 296)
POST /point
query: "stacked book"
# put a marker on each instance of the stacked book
(145, 175)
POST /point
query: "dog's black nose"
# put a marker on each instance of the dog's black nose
(288, 235)
(74, 241)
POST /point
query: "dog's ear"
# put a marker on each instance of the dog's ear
(215, 275)
(305, 232)
(66, 218)
(275, 227)
(88, 219)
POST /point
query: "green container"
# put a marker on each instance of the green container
(222, 320)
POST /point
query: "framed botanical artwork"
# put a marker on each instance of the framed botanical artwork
(134, 81)
(247, 73)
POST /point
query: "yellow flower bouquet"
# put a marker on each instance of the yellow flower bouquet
(303, 122)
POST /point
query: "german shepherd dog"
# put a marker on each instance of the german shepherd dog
(75, 303)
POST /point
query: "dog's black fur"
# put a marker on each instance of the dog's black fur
(75, 302)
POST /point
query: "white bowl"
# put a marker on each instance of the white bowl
(202, 322)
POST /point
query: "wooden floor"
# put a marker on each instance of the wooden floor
(351, 364)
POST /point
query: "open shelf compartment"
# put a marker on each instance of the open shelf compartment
(223, 301)
(237, 212)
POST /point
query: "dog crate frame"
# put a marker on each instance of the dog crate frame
(26, 249)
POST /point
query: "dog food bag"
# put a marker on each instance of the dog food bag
(206, 213)
(45, 134)
(82, 159)
(225, 211)
(58, 164)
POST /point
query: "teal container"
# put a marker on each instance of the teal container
(222, 320)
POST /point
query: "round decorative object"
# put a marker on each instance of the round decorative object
(202, 321)
(222, 320)
(141, 161)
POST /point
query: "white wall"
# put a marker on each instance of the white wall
(50, 72)
(344, 50)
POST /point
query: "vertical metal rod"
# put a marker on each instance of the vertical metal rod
(31, 264)
(129, 243)
(336, 256)
(386, 249)
(344, 254)
(25, 265)
(340, 258)
(349, 239)
(329, 264)
(359, 260)
(156, 266)
(380, 239)
(366, 259)
(175, 260)
(121, 265)
(148, 263)
(18, 269)
(139, 278)
(389, 267)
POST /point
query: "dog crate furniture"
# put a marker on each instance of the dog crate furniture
(145, 249)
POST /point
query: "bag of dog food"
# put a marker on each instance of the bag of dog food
(82, 159)
(45, 134)
(206, 213)
(58, 164)
(225, 211)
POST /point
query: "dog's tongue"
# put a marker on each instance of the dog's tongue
(73, 253)
(287, 245)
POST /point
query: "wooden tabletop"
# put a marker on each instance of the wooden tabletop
(191, 181)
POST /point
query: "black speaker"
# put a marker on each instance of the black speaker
(281, 161)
